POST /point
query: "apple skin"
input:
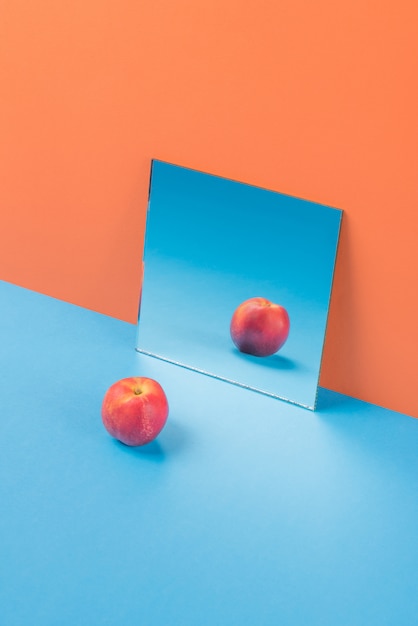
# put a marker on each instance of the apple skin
(259, 327)
(135, 410)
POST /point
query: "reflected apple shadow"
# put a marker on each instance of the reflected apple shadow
(275, 361)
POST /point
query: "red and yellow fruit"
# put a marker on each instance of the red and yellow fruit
(135, 410)
(259, 327)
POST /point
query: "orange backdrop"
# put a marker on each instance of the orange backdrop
(314, 99)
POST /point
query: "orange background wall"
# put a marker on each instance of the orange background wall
(315, 99)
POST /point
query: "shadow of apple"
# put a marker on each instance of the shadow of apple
(275, 361)
(171, 439)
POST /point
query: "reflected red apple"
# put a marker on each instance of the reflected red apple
(259, 327)
(135, 410)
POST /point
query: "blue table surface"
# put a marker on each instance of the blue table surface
(245, 511)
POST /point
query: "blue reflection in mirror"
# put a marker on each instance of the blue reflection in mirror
(211, 244)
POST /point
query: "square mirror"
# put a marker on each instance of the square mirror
(237, 281)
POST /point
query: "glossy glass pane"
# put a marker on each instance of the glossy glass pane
(211, 244)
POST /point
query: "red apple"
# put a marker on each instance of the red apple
(259, 327)
(135, 410)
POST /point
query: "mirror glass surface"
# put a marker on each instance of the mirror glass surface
(211, 244)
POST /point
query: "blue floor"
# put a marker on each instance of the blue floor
(245, 511)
